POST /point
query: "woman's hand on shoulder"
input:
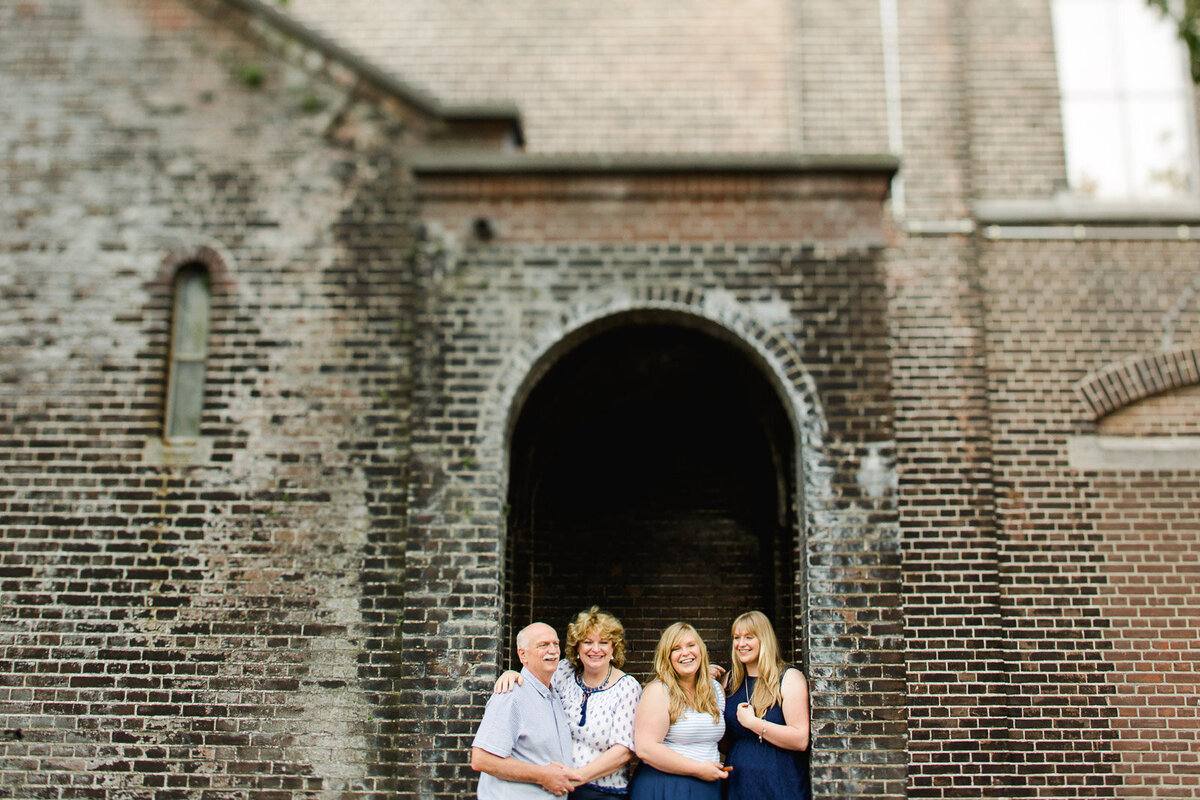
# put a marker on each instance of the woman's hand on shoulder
(507, 681)
(716, 672)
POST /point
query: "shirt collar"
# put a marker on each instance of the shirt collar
(531, 680)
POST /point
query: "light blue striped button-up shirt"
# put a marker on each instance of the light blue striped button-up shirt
(527, 724)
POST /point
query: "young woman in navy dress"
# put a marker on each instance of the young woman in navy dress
(679, 723)
(766, 717)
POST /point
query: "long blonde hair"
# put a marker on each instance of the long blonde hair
(767, 691)
(705, 699)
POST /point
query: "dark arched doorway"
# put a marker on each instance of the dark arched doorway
(651, 472)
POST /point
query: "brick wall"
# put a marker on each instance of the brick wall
(617, 77)
(1023, 585)
(1010, 86)
(313, 600)
(1084, 551)
(955, 665)
(613, 200)
(1167, 414)
(504, 315)
(839, 102)
(219, 622)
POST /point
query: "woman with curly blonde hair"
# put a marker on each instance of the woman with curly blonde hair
(679, 723)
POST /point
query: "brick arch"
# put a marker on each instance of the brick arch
(1136, 378)
(210, 255)
(715, 311)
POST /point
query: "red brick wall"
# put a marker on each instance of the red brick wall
(955, 665)
(1011, 618)
(1080, 548)
(1150, 601)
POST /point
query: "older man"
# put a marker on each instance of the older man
(523, 742)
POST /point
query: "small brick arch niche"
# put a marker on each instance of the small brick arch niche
(652, 472)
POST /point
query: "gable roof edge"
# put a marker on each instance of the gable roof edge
(501, 112)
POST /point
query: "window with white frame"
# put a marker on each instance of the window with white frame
(1127, 101)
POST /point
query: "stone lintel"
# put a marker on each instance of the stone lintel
(522, 197)
(445, 162)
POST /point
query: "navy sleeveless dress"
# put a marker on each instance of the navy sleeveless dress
(761, 771)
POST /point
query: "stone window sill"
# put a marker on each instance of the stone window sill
(1127, 453)
(161, 453)
(1067, 210)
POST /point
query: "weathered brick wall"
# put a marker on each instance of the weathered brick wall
(1091, 663)
(220, 624)
(809, 321)
(956, 702)
(982, 612)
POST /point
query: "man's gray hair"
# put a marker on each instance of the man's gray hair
(523, 635)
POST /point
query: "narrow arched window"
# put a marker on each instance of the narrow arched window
(189, 350)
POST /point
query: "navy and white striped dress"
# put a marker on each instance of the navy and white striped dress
(694, 735)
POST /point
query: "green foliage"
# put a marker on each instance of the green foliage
(1185, 14)
(250, 73)
(311, 104)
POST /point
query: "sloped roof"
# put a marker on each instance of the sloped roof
(589, 76)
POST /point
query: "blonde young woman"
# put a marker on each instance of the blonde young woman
(766, 716)
(679, 723)
(599, 700)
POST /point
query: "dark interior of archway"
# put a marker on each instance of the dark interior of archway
(649, 475)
